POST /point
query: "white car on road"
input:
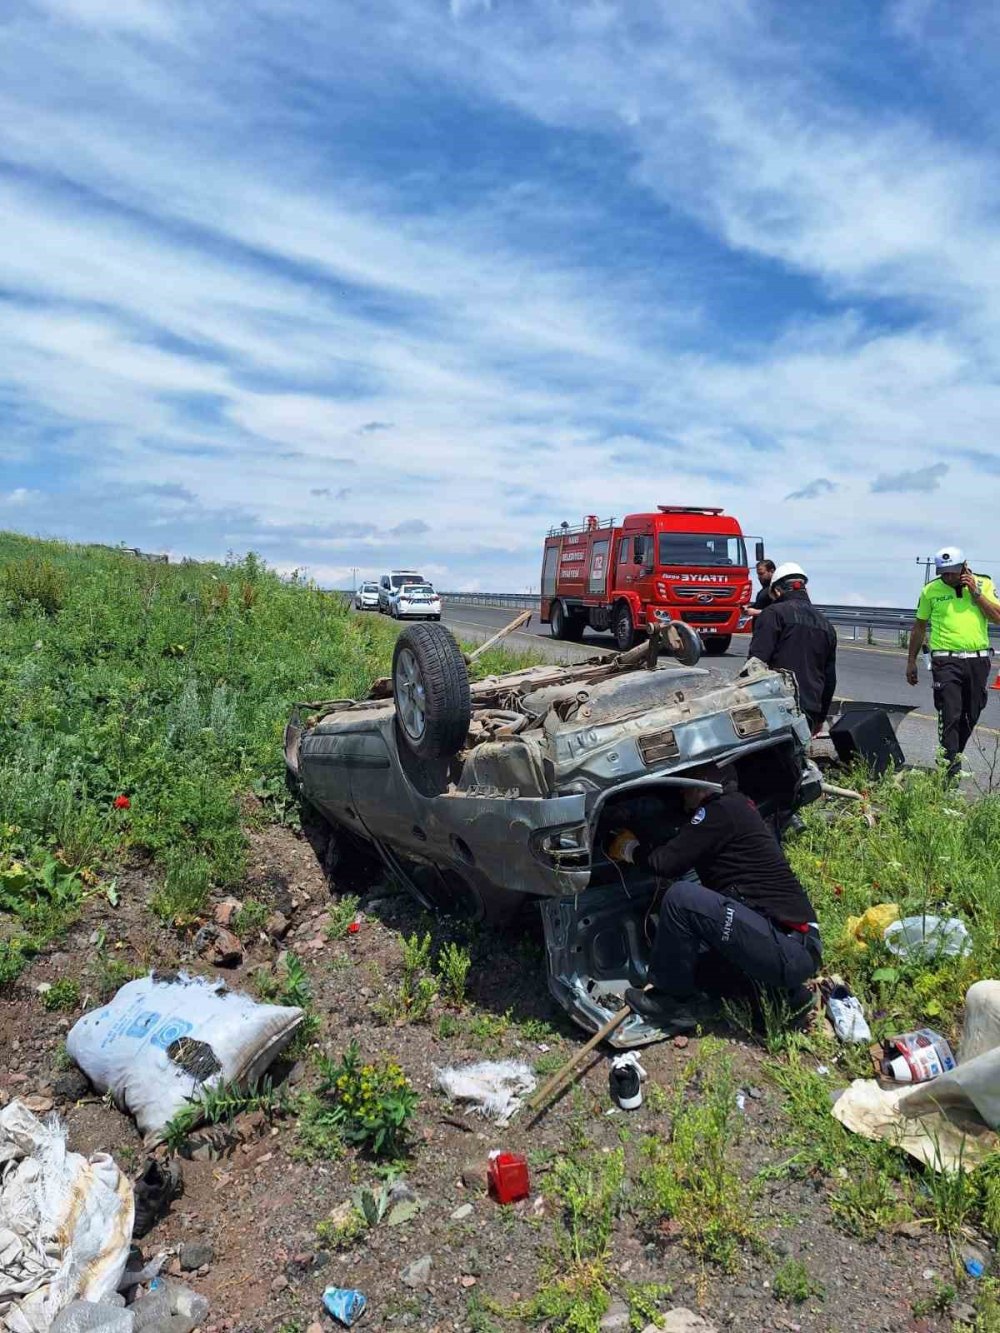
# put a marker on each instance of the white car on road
(366, 597)
(415, 601)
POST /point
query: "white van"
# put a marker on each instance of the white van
(390, 582)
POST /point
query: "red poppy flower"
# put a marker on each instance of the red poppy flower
(354, 927)
(122, 803)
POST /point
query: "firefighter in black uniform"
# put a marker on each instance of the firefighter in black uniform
(748, 908)
(793, 634)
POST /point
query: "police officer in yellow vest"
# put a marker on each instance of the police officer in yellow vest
(959, 606)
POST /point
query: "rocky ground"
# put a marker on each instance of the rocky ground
(245, 1231)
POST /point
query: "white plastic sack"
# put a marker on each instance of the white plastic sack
(494, 1088)
(927, 937)
(65, 1222)
(84, 1317)
(166, 1037)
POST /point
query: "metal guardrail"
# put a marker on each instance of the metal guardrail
(898, 618)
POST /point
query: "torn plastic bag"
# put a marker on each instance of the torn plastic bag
(928, 938)
(65, 1222)
(166, 1037)
(169, 1307)
(94, 1317)
(494, 1088)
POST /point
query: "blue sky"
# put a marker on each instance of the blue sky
(363, 284)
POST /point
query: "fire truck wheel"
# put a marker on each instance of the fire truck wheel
(559, 621)
(716, 644)
(430, 684)
(624, 630)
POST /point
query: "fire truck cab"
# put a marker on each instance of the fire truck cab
(680, 563)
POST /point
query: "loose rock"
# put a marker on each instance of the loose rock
(418, 1273)
(38, 1104)
(460, 1214)
(218, 946)
(226, 911)
(617, 1318)
(196, 1254)
(280, 1283)
(681, 1320)
(71, 1085)
(277, 925)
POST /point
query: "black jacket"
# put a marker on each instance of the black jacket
(735, 853)
(762, 599)
(791, 633)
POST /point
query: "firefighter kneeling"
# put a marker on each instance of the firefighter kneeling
(749, 912)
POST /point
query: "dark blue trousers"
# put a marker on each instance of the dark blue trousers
(692, 916)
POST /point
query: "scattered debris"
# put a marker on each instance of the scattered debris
(846, 1015)
(928, 938)
(974, 1260)
(508, 1176)
(625, 1079)
(495, 1089)
(166, 1037)
(862, 930)
(915, 1057)
(154, 1189)
(462, 1212)
(65, 1222)
(345, 1304)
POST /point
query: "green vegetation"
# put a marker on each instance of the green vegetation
(251, 917)
(342, 914)
(453, 968)
(691, 1180)
(140, 701)
(370, 1104)
(63, 994)
(411, 1001)
(793, 1283)
(222, 1104)
(930, 850)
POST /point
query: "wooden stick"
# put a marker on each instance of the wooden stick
(829, 790)
(522, 619)
(575, 1060)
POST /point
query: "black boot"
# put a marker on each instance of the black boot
(663, 1010)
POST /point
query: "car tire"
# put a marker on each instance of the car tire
(716, 644)
(623, 629)
(430, 684)
(558, 621)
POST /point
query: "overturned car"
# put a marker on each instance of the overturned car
(479, 795)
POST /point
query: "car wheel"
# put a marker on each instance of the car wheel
(557, 620)
(716, 644)
(430, 684)
(624, 630)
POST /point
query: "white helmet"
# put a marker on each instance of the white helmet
(948, 559)
(789, 570)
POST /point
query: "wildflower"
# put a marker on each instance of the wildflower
(354, 927)
(122, 803)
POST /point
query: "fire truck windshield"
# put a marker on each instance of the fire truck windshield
(701, 548)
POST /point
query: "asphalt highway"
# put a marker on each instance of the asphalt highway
(874, 674)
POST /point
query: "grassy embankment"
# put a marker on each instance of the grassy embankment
(170, 686)
(166, 685)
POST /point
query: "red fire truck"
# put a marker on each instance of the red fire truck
(679, 563)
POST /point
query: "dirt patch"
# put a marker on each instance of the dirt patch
(258, 1204)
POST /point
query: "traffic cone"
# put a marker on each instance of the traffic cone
(996, 683)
